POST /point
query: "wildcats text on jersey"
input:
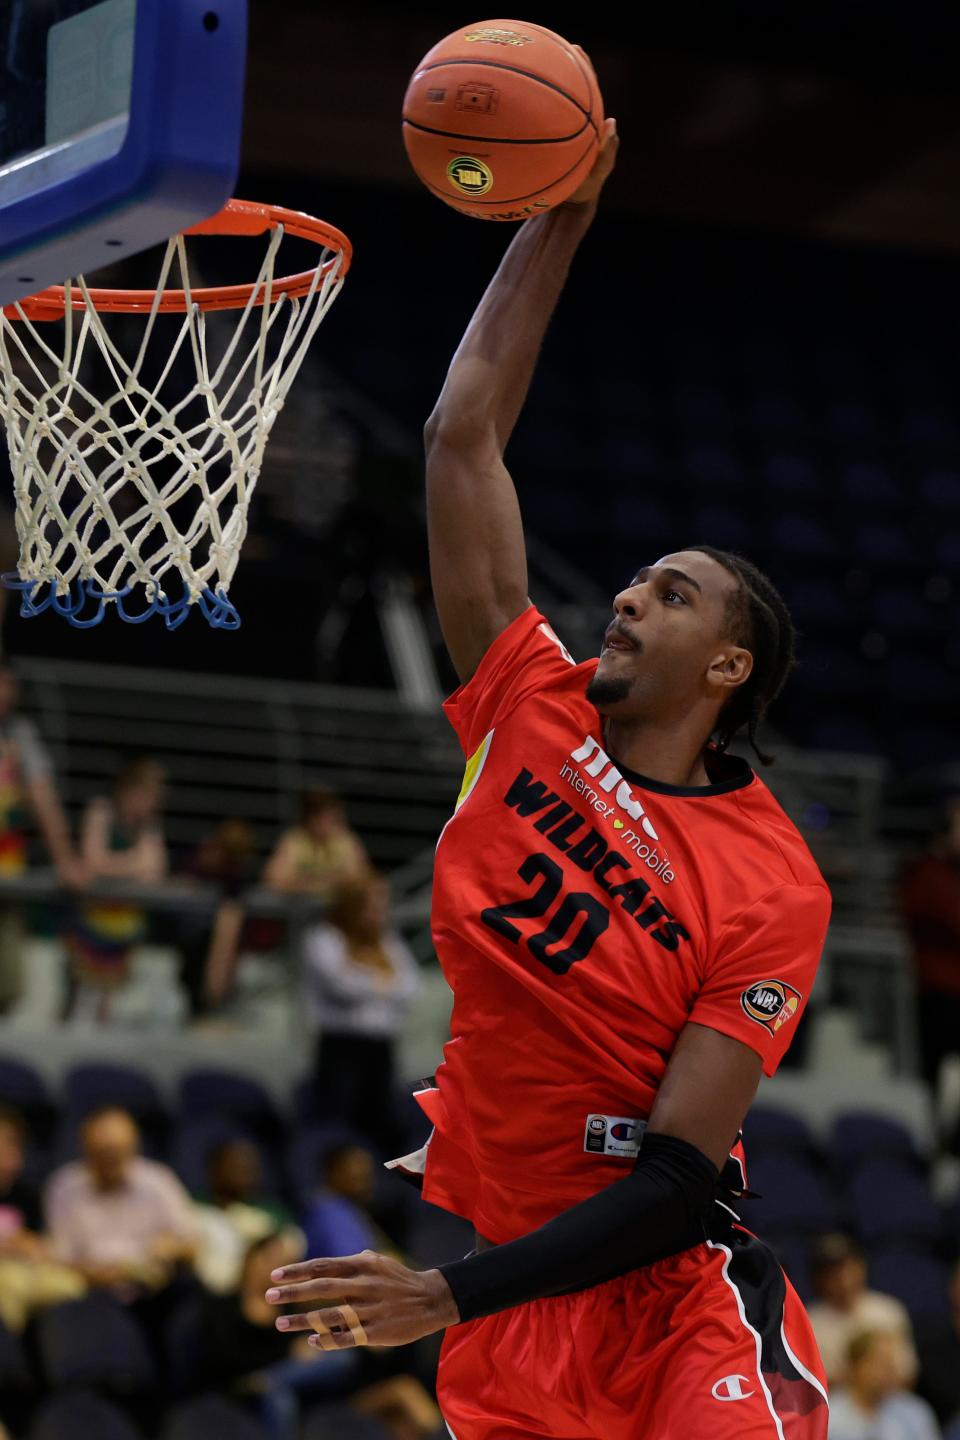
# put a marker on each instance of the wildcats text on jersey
(570, 833)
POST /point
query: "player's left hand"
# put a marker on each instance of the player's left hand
(365, 1299)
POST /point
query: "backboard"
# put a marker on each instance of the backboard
(120, 125)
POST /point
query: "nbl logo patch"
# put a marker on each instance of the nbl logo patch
(614, 1135)
(771, 1003)
(469, 175)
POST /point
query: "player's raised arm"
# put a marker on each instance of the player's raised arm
(477, 556)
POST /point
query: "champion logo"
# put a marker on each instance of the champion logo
(731, 1388)
(602, 769)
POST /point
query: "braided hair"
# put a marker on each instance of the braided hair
(759, 621)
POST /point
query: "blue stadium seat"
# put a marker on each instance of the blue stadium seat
(93, 1341)
(14, 1369)
(716, 468)
(867, 485)
(212, 1417)
(305, 1102)
(940, 489)
(929, 428)
(339, 1422)
(221, 1092)
(877, 544)
(853, 420)
(804, 536)
(640, 521)
(796, 1198)
(769, 1128)
(948, 552)
(846, 731)
(900, 610)
(702, 408)
(920, 1281)
(89, 1086)
(915, 680)
(183, 1346)
(793, 1253)
(777, 415)
(834, 671)
(862, 1135)
(629, 451)
(25, 1090)
(891, 1203)
(306, 1152)
(194, 1140)
(723, 526)
(792, 475)
(820, 600)
(82, 1417)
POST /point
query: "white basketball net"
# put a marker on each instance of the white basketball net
(150, 488)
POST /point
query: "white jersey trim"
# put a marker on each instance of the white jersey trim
(795, 1360)
(714, 1245)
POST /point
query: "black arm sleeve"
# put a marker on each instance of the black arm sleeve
(657, 1210)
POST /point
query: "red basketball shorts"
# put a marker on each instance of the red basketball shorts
(713, 1344)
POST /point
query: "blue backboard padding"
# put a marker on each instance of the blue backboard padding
(177, 166)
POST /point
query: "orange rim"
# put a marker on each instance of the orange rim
(238, 217)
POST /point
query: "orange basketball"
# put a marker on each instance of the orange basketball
(503, 119)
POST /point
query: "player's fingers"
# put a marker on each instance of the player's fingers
(334, 1287)
(341, 1267)
(337, 1329)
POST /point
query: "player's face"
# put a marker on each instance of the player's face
(669, 642)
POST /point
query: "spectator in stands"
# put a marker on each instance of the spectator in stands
(320, 854)
(227, 859)
(243, 1351)
(338, 1221)
(362, 980)
(874, 1404)
(27, 789)
(846, 1307)
(930, 904)
(124, 1222)
(122, 841)
(939, 1346)
(29, 1278)
(234, 1214)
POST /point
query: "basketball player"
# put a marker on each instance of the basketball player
(631, 927)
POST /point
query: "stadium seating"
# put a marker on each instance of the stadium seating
(221, 1093)
(892, 1204)
(918, 1280)
(859, 1136)
(796, 1198)
(94, 1342)
(81, 1416)
(213, 1416)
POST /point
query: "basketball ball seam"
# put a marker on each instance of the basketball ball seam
(494, 139)
(583, 71)
(511, 199)
(513, 69)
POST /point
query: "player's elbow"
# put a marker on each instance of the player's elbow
(465, 432)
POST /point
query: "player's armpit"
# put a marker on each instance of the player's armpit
(709, 1086)
(478, 562)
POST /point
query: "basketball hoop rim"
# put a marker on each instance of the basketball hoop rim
(237, 218)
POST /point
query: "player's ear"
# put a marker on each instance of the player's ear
(730, 668)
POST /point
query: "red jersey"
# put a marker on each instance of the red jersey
(582, 915)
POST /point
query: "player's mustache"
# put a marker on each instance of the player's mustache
(617, 627)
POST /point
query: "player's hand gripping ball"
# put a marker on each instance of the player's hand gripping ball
(503, 119)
